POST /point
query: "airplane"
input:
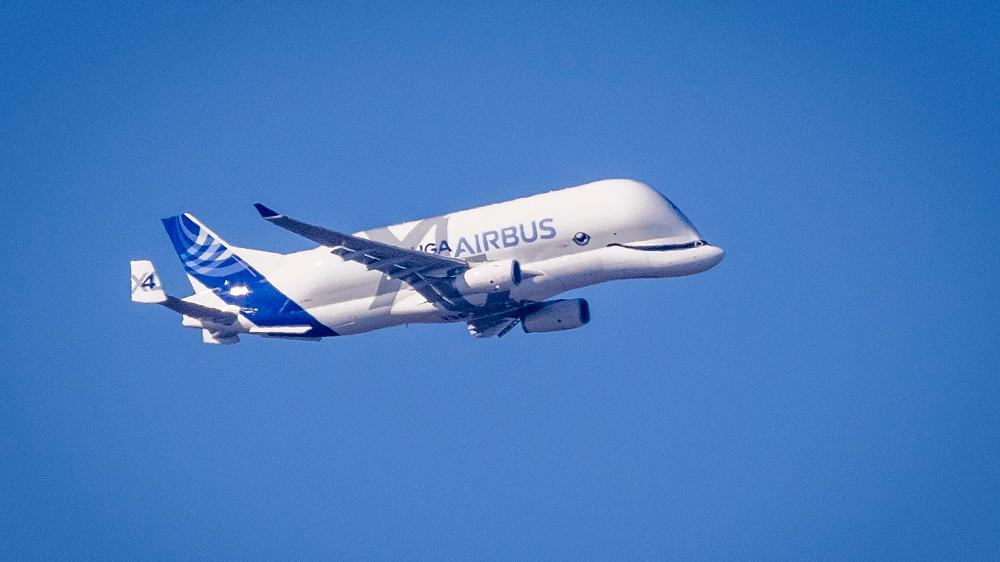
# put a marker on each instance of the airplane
(492, 267)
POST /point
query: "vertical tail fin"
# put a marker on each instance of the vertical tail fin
(207, 258)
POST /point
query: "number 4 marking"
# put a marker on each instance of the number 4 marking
(149, 282)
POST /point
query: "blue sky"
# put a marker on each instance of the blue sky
(829, 391)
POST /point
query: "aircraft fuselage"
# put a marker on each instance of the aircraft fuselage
(572, 238)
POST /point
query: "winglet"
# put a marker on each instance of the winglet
(266, 212)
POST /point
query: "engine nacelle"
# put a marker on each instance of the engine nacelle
(490, 277)
(555, 316)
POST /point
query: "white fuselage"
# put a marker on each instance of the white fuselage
(563, 240)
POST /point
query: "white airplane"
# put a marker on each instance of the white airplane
(491, 267)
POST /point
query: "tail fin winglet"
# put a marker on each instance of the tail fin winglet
(146, 286)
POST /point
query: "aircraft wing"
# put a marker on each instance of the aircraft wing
(429, 274)
(394, 261)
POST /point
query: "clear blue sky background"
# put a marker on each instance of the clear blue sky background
(831, 390)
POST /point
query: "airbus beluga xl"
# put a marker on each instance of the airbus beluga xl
(491, 267)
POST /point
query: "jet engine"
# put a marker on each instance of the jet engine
(555, 316)
(489, 277)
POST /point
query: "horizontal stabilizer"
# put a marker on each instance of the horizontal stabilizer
(201, 312)
(147, 289)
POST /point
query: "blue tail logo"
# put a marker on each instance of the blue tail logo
(208, 259)
(202, 254)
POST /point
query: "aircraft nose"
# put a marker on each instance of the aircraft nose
(714, 256)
